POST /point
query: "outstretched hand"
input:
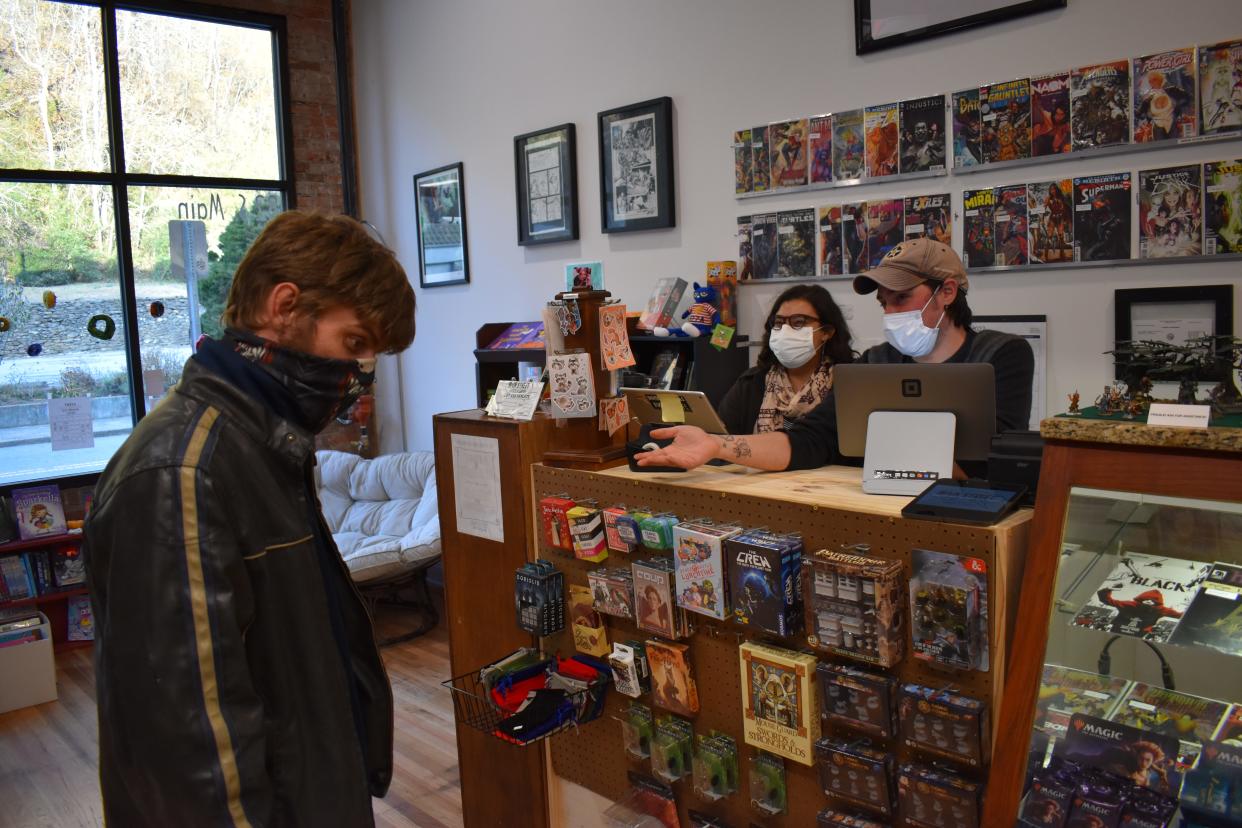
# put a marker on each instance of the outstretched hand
(691, 448)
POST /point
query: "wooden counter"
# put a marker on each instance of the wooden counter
(1122, 432)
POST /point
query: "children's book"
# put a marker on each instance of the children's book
(39, 512)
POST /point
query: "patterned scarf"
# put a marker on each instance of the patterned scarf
(781, 404)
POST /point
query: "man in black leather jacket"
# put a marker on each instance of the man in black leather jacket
(238, 680)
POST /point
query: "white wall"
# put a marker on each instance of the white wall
(455, 80)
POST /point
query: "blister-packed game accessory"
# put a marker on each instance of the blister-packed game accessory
(715, 766)
(943, 724)
(637, 731)
(553, 511)
(539, 598)
(857, 774)
(934, 798)
(855, 605)
(672, 751)
(863, 701)
(768, 790)
(656, 531)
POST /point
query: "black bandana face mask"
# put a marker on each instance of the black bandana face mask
(324, 388)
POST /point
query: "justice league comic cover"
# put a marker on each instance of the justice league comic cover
(1050, 114)
(966, 150)
(1005, 120)
(930, 216)
(1010, 218)
(1165, 96)
(854, 236)
(1102, 217)
(787, 153)
(979, 227)
(796, 229)
(742, 182)
(830, 241)
(1100, 104)
(760, 164)
(1170, 212)
(1220, 87)
(847, 145)
(1050, 214)
(1222, 207)
(1143, 596)
(820, 149)
(880, 124)
(884, 220)
(922, 134)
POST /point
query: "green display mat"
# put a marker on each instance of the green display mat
(1091, 412)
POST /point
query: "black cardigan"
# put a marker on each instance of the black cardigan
(740, 407)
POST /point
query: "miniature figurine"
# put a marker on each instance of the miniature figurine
(1073, 404)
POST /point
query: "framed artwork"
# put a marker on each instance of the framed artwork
(636, 167)
(547, 185)
(440, 208)
(883, 24)
(1173, 315)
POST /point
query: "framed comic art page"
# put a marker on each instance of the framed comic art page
(882, 24)
(636, 167)
(547, 185)
(440, 207)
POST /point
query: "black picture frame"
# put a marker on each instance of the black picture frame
(440, 218)
(1136, 305)
(648, 164)
(865, 41)
(547, 197)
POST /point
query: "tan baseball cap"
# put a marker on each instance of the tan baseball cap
(910, 263)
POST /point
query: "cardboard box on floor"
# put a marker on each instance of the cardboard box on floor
(29, 671)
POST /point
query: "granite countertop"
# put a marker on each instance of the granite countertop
(1133, 433)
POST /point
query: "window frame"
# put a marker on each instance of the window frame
(120, 180)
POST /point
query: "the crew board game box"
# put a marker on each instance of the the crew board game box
(672, 684)
(854, 605)
(1102, 211)
(764, 589)
(1214, 617)
(1222, 207)
(857, 774)
(933, 798)
(1190, 719)
(655, 600)
(40, 513)
(862, 701)
(701, 583)
(1143, 596)
(947, 725)
(780, 701)
(1064, 691)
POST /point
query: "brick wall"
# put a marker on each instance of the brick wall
(312, 81)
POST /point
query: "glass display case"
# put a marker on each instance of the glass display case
(1139, 705)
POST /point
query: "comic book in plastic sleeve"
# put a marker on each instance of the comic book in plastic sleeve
(885, 220)
(1100, 104)
(1050, 114)
(848, 146)
(742, 167)
(1143, 596)
(760, 167)
(1005, 120)
(1064, 691)
(830, 243)
(880, 126)
(1102, 211)
(819, 149)
(1220, 87)
(764, 245)
(1165, 101)
(929, 216)
(854, 237)
(1214, 617)
(1050, 216)
(922, 134)
(1171, 212)
(1222, 207)
(796, 231)
(1010, 219)
(1190, 719)
(966, 149)
(787, 153)
(745, 264)
(979, 227)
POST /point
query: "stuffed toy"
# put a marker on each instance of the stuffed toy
(700, 317)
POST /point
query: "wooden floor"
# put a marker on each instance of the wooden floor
(48, 771)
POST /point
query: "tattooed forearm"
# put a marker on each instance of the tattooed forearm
(737, 446)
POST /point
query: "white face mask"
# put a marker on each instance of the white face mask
(793, 348)
(907, 333)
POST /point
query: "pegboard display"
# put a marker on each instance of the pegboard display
(594, 756)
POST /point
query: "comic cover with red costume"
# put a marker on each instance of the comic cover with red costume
(1049, 208)
(1050, 114)
(978, 223)
(787, 153)
(1010, 218)
(1144, 596)
(930, 216)
(1164, 96)
(820, 143)
(882, 142)
(1005, 120)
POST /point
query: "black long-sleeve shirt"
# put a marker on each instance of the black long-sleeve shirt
(813, 439)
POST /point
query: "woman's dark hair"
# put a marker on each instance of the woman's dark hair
(837, 350)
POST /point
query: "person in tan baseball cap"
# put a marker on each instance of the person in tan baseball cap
(921, 287)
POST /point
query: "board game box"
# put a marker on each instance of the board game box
(701, 580)
(1143, 596)
(656, 609)
(857, 774)
(854, 605)
(1145, 758)
(949, 609)
(780, 701)
(672, 685)
(764, 586)
(943, 724)
(1165, 96)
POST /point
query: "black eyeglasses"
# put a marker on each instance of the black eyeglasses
(797, 321)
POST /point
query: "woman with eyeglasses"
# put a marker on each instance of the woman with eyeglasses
(804, 336)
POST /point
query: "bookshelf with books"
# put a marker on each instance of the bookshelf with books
(44, 573)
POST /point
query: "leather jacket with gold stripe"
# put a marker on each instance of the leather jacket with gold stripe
(223, 698)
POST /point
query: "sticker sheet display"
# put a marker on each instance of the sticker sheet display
(780, 701)
(573, 385)
(943, 724)
(701, 584)
(1171, 212)
(655, 600)
(1143, 596)
(1050, 214)
(764, 587)
(948, 605)
(613, 339)
(862, 701)
(855, 606)
(857, 774)
(1165, 96)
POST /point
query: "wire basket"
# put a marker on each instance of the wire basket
(475, 705)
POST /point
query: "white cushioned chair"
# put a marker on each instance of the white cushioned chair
(384, 518)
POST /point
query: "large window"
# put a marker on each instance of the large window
(142, 148)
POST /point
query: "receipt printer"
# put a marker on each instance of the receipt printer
(1014, 459)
